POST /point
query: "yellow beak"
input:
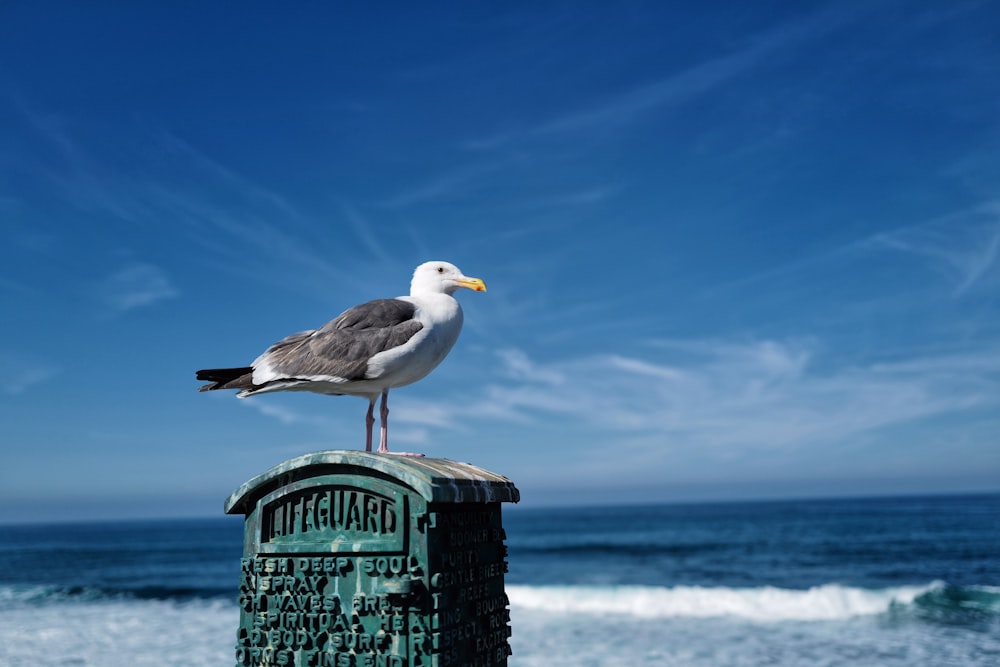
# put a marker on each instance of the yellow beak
(474, 284)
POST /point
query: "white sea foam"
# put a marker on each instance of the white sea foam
(552, 626)
(828, 602)
(117, 633)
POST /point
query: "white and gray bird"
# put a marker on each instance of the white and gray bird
(366, 351)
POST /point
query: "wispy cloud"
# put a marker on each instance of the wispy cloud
(20, 375)
(418, 412)
(284, 414)
(134, 286)
(517, 366)
(585, 197)
(238, 225)
(457, 182)
(364, 230)
(677, 87)
(411, 422)
(698, 399)
(754, 395)
(963, 247)
(255, 232)
(571, 198)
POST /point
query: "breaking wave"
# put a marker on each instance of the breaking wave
(935, 601)
(767, 603)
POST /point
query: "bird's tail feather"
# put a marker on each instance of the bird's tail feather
(225, 378)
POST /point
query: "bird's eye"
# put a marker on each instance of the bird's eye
(440, 269)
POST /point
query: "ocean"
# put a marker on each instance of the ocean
(869, 582)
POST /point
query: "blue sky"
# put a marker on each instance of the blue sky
(732, 251)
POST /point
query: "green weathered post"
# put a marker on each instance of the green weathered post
(352, 559)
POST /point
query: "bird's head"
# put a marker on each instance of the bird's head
(442, 278)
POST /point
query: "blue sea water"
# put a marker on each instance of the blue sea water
(873, 582)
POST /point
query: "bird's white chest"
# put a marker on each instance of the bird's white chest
(442, 319)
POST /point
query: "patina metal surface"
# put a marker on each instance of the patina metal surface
(354, 559)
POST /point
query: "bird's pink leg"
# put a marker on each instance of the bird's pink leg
(383, 442)
(369, 422)
(383, 447)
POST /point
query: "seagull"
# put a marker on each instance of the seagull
(365, 351)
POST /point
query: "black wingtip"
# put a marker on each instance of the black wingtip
(219, 378)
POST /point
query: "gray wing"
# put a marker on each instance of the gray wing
(343, 346)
